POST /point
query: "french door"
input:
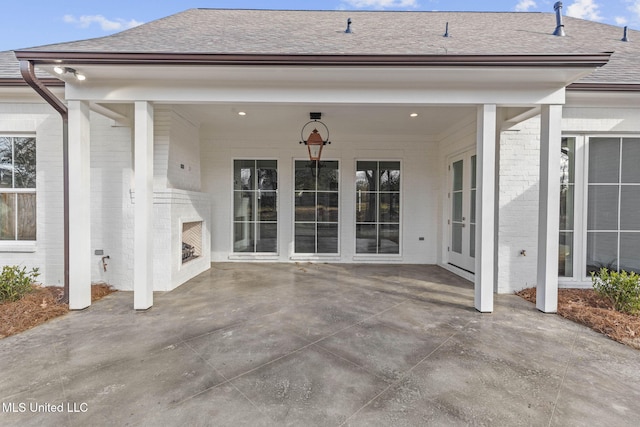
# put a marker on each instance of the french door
(462, 211)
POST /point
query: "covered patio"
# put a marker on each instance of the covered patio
(319, 344)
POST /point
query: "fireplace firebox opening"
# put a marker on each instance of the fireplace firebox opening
(191, 240)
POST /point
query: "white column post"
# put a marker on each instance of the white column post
(485, 207)
(79, 205)
(549, 208)
(143, 209)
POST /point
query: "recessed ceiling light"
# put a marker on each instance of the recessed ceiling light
(242, 113)
(413, 115)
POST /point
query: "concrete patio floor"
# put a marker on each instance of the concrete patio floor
(316, 345)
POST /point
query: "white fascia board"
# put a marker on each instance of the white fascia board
(269, 94)
(604, 99)
(374, 85)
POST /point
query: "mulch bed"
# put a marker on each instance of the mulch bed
(585, 306)
(39, 306)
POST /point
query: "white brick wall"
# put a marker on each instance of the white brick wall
(111, 206)
(46, 124)
(176, 150)
(519, 178)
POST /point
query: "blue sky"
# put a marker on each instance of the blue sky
(39, 22)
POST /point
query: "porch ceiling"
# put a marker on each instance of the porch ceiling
(431, 121)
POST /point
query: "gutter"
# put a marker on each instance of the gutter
(159, 58)
(28, 73)
(605, 87)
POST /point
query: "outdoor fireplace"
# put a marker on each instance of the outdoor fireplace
(191, 240)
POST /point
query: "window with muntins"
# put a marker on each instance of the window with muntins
(613, 208)
(255, 206)
(567, 202)
(377, 207)
(17, 188)
(317, 198)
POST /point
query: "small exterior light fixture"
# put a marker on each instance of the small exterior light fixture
(68, 70)
(315, 143)
(242, 113)
(413, 115)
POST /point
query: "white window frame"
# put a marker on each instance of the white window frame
(580, 278)
(21, 245)
(315, 256)
(253, 255)
(379, 256)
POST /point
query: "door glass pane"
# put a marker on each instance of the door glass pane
(267, 206)
(474, 170)
(327, 207)
(389, 207)
(243, 206)
(457, 207)
(327, 238)
(7, 216)
(305, 206)
(473, 206)
(267, 175)
(243, 237)
(389, 239)
(630, 207)
(567, 161)
(630, 252)
(366, 176)
(6, 162)
(565, 255)
(305, 238)
(604, 160)
(328, 176)
(305, 175)
(267, 237)
(389, 176)
(472, 243)
(366, 207)
(603, 207)
(457, 176)
(24, 162)
(456, 238)
(366, 239)
(243, 174)
(602, 251)
(27, 216)
(631, 160)
(566, 207)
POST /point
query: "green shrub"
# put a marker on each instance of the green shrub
(15, 282)
(622, 289)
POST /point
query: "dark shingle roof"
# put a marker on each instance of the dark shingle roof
(380, 33)
(10, 68)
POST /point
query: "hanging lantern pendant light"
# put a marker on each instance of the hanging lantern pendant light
(315, 143)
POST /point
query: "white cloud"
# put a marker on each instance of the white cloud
(85, 21)
(635, 8)
(585, 9)
(621, 20)
(382, 4)
(525, 5)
